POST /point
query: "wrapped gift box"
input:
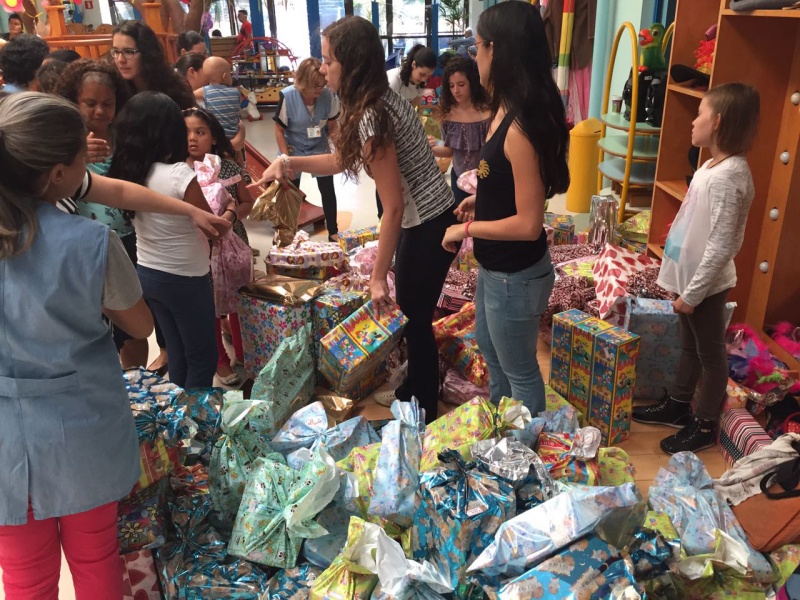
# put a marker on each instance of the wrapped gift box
(562, 226)
(740, 435)
(139, 578)
(141, 519)
(465, 259)
(456, 390)
(612, 270)
(352, 239)
(561, 349)
(613, 381)
(580, 381)
(358, 346)
(459, 288)
(330, 309)
(656, 324)
(306, 259)
(455, 337)
(635, 228)
(265, 325)
(157, 461)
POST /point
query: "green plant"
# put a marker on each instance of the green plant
(452, 12)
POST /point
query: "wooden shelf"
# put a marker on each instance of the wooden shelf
(642, 174)
(774, 14)
(656, 249)
(675, 188)
(616, 121)
(645, 147)
(688, 91)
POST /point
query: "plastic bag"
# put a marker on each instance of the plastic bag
(278, 508)
(292, 584)
(308, 428)
(403, 579)
(397, 470)
(352, 575)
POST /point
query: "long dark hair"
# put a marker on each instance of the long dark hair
(190, 60)
(521, 81)
(222, 146)
(149, 129)
(157, 74)
(37, 132)
(422, 56)
(356, 46)
(477, 94)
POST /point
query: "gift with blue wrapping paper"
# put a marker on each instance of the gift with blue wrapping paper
(397, 471)
(204, 407)
(458, 510)
(292, 584)
(308, 428)
(278, 509)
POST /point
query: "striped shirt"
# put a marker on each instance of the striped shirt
(225, 104)
(70, 205)
(426, 195)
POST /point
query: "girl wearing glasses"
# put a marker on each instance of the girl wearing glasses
(522, 163)
(305, 118)
(140, 60)
(465, 118)
(381, 132)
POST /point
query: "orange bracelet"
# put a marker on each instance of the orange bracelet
(466, 228)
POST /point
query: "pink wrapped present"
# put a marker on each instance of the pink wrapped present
(611, 271)
(304, 258)
(139, 579)
(736, 397)
(468, 181)
(740, 435)
(457, 390)
(231, 258)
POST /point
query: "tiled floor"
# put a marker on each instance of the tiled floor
(356, 204)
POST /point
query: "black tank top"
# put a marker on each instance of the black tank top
(496, 200)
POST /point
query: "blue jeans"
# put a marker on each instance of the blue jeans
(184, 307)
(508, 307)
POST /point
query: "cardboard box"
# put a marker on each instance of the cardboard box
(350, 240)
(581, 353)
(561, 348)
(563, 228)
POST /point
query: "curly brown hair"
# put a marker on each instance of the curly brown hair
(477, 95)
(69, 86)
(355, 44)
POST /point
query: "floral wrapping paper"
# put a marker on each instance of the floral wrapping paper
(684, 491)
(572, 574)
(359, 346)
(562, 227)
(265, 325)
(397, 469)
(245, 426)
(292, 584)
(656, 324)
(613, 513)
(141, 519)
(278, 509)
(351, 239)
(457, 390)
(308, 428)
(465, 259)
(287, 380)
(303, 253)
(612, 270)
(455, 337)
(459, 288)
(458, 510)
(478, 419)
(139, 578)
(352, 575)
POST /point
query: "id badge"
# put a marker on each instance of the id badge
(314, 132)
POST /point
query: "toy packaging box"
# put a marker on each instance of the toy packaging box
(563, 228)
(560, 360)
(581, 354)
(350, 240)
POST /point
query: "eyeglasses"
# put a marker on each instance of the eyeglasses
(473, 50)
(128, 53)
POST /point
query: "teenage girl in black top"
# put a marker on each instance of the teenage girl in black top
(522, 164)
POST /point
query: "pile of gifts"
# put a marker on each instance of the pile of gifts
(294, 501)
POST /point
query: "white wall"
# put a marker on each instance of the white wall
(640, 14)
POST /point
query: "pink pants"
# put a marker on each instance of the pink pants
(30, 556)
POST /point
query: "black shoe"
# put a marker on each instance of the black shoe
(668, 412)
(697, 435)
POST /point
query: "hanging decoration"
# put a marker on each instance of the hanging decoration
(12, 6)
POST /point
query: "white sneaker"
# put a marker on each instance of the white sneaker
(385, 398)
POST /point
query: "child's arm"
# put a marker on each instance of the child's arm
(122, 293)
(238, 140)
(439, 151)
(245, 201)
(130, 196)
(136, 321)
(724, 239)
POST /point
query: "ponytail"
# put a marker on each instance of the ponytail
(422, 56)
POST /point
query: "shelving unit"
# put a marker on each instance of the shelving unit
(761, 48)
(631, 159)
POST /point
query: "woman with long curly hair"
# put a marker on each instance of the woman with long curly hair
(418, 204)
(141, 61)
(464, 116)
(522, 163)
